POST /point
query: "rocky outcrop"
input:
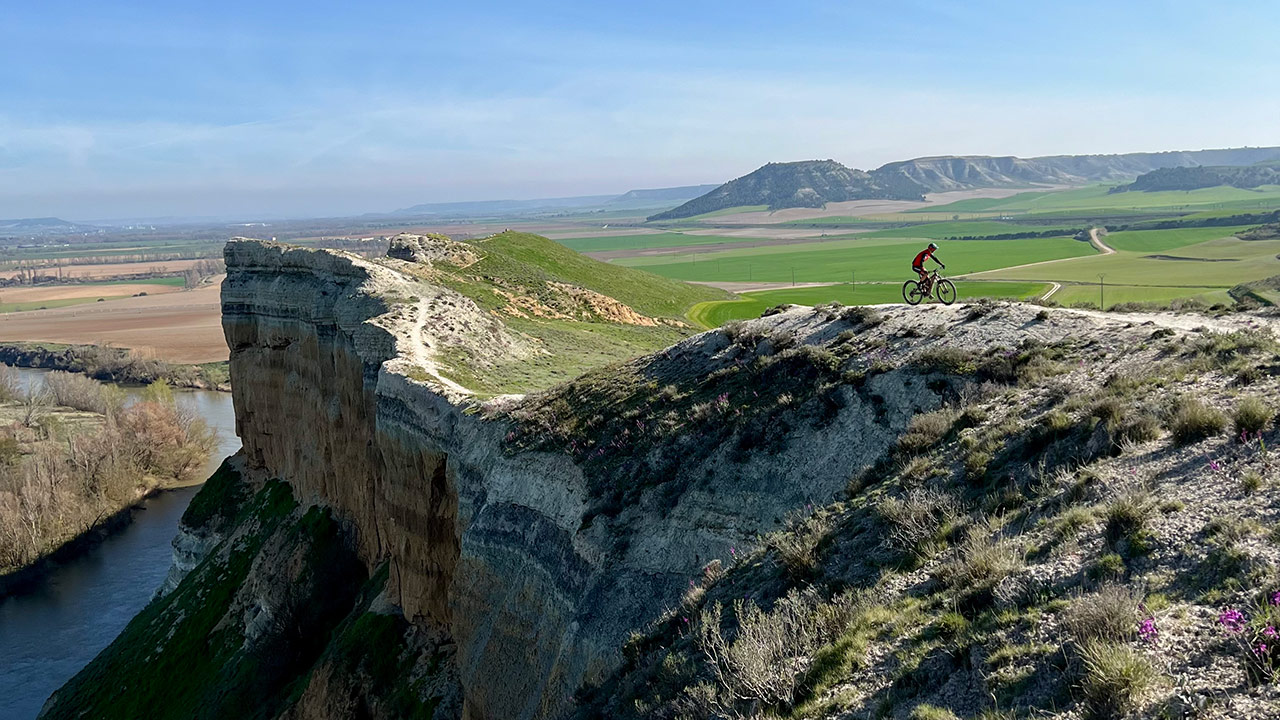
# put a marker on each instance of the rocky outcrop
(430, 248)
(335, 394)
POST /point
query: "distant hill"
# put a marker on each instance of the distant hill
(814, 183)
(41, 226)
(1094, 168)
(808, 183)
(941, 174)
(1194, 178)
(659, 197)
(646, 199)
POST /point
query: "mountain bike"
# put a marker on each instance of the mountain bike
(913, 291)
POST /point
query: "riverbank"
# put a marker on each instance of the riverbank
(114, 365)
(77, 456)
(27, 578)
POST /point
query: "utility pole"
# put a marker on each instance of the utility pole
(793, 277)
(1102, 291)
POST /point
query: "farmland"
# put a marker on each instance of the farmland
(1168, 246)
(854, 259)
(1097, 198)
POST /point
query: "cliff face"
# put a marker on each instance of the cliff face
(485, 546)
(503, 567)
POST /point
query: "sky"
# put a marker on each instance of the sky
(288, 109)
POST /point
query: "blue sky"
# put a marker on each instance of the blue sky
(131, 109)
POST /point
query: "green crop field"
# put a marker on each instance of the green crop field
(727, 211)
(1113, 294)
(715, 314)
(1158, 240)
(1220, 263)
(854, 259)
(1096, 197)
(941, 230)
(606, 243)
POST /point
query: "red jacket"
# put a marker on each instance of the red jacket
(925, 254)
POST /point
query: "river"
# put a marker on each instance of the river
(48, 633)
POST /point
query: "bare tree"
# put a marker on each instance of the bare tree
(35, 403)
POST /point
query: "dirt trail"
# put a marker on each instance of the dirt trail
(1056, 287)
(1095, 239)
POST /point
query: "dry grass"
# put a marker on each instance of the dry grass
(1115, 678)
(1109, 614)
(1193, 420)
(1252, 415)
(919, 522)
(797, 545)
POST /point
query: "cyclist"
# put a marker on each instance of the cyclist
(918, 266)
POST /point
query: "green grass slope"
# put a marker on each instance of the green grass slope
(534, 268)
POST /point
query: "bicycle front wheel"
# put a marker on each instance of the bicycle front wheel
(946, 291)
(911, 292)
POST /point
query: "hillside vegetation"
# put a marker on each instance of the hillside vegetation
(74, 454)
(575, 312)
(1084, 531)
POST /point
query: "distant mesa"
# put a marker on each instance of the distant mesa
(809, 183)
(1195, 178)
(813, 183)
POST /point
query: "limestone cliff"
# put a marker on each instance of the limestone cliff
(506, 548)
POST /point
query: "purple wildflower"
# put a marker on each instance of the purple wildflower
(1148, 632)
(1275, 598)
(1214, 466)
(1269, 631)
(1231, 620)
(1262, 649)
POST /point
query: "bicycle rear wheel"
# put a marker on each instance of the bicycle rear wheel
(911, 292)
(946, 291)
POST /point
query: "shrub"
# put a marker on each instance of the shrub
(1138, 427)
(1127, 516)
(950, 360)
(980, 563)
(919, 522)
(926, 430)
(931, 712)
(1252, 416)
(760, 663)
(1193, 420)
(1108, 566)
(1251, 481)
(83, 393)
(980, 308)
(1109, 614)
(862, 316)
(1115, 678)
(10, 388)
(1073, 520)
(1056, 423)
(797, 544)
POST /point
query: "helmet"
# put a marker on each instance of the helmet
(933, 246)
